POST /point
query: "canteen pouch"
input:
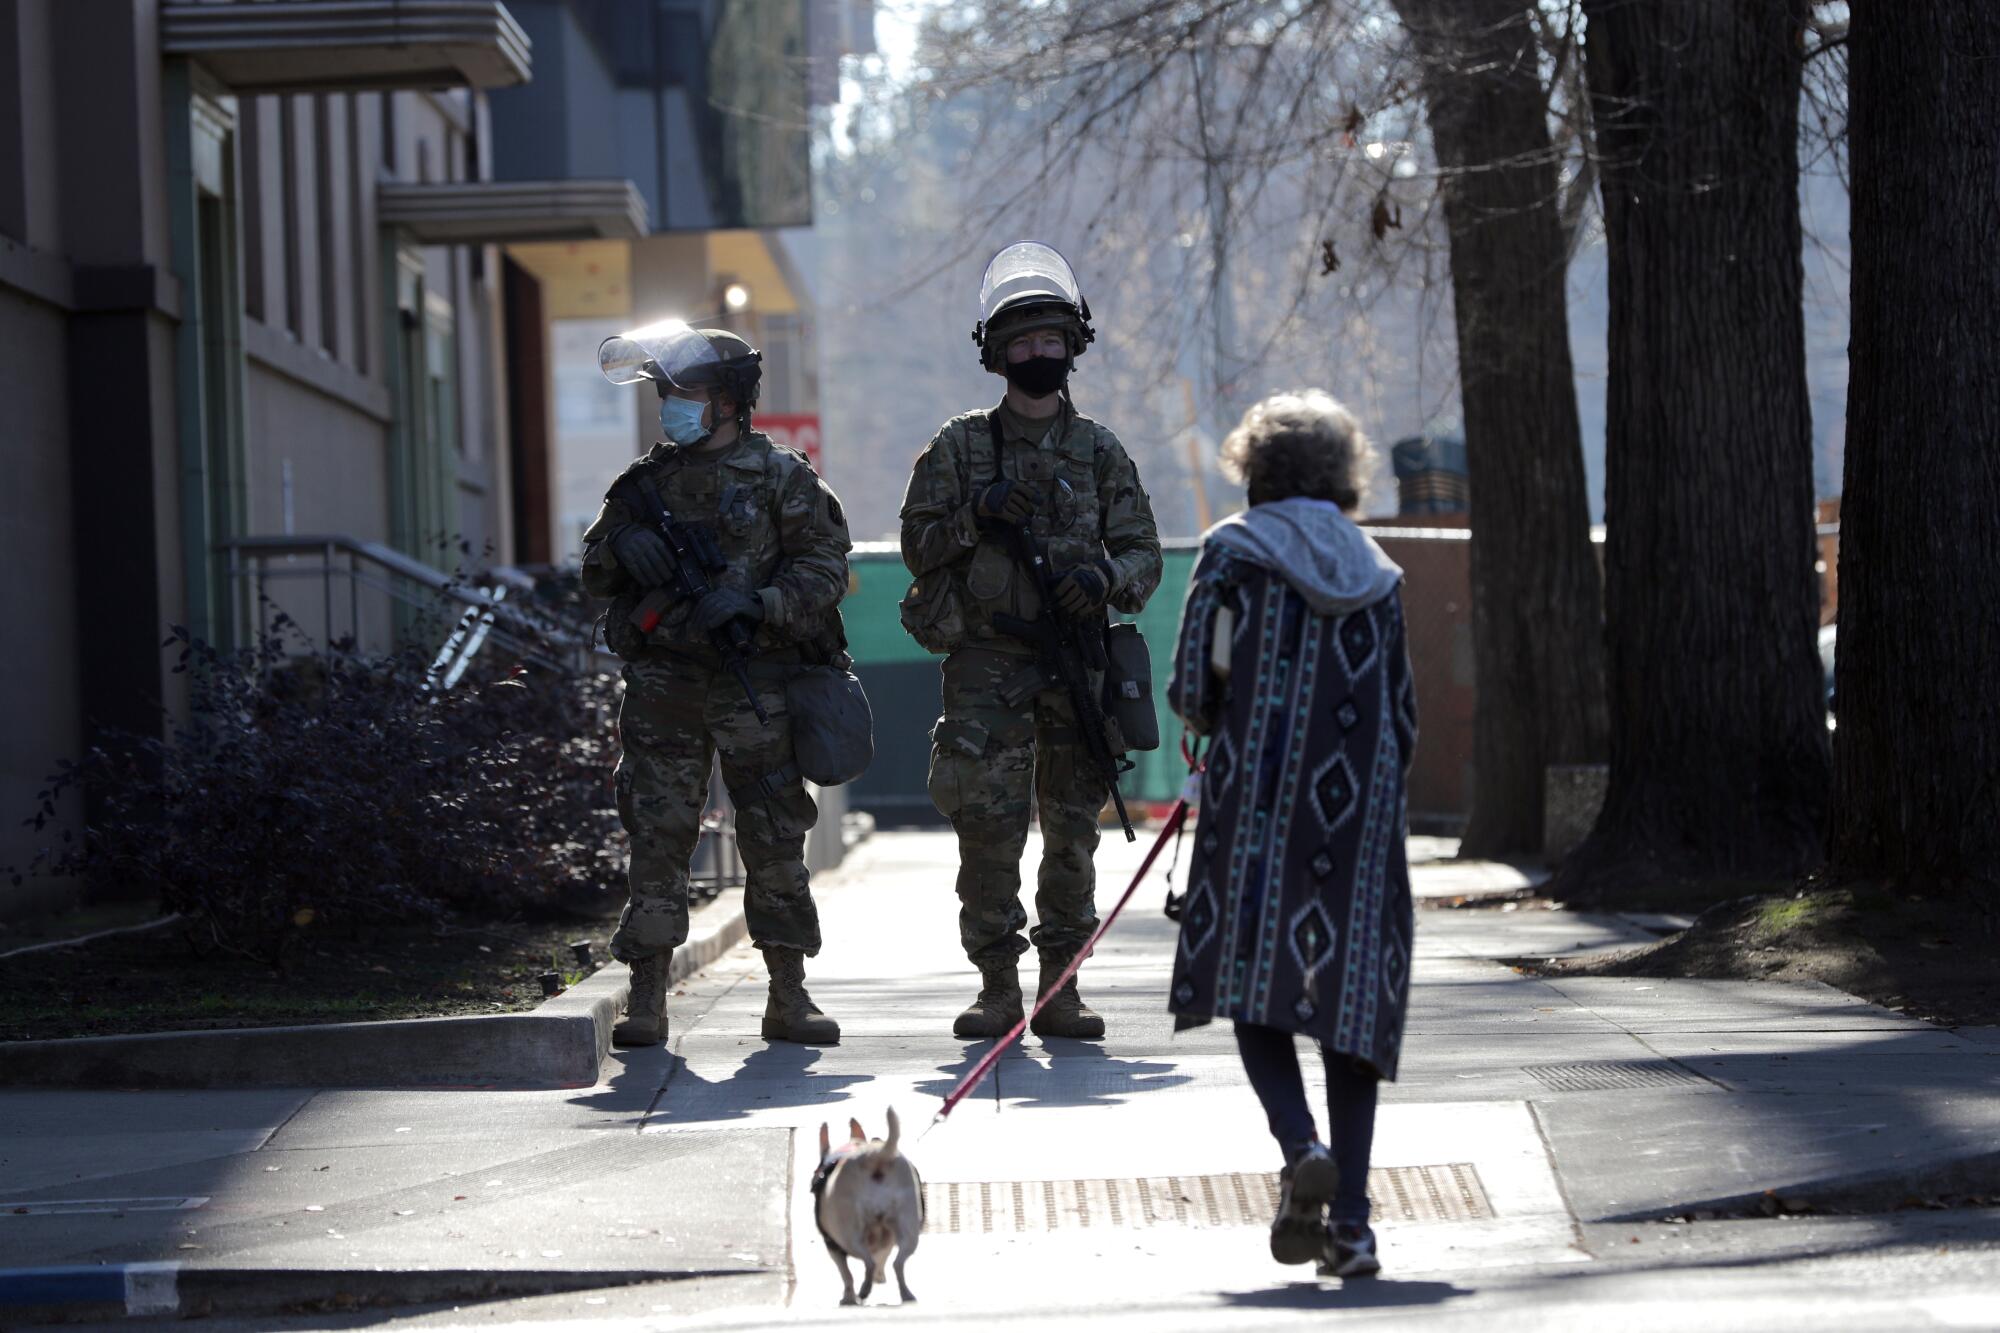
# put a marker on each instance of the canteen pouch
(933, 612)
(833, 732)
(1128, 687)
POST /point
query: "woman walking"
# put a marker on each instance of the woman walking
(1297, 919)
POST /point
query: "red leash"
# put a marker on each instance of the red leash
(1175, 818)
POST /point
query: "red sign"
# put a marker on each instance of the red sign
(799, 430)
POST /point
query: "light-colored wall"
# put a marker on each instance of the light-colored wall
(343, 263)
(337, 460)
(597, 427)
(38, 698)
(326, 380)
(670, 279)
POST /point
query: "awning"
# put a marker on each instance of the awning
(500, 212)
(272, 46)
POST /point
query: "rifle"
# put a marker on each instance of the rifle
(1067, 652)
(696, 555)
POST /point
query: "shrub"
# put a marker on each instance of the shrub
(312, 790)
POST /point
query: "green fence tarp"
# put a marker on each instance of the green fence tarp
(902, 684)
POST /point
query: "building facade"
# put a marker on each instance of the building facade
(267, 339)
(216, 327)
(707, 107)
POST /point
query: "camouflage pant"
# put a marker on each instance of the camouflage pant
(987, 762)
(677, 715)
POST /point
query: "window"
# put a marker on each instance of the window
(441, 370)
(327, 223)
(249, 128)
(357, 236)
(13, 132)
(288, 185)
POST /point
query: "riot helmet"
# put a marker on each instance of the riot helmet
(671, 354)
(1029, 286)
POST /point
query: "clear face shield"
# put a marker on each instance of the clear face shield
(1026, 272)
(669, 354)
(668, 351)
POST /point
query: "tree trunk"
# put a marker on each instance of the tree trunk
(1916, 797)
(1536, 626)
(1719, 757)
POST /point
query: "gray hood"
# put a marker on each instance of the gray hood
(1334, 565)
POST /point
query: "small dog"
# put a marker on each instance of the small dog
(868, 1200)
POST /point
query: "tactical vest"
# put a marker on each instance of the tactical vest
(735, 498)
(955, 604)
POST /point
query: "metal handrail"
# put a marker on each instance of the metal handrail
(381, 568)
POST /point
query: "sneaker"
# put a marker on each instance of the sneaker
(1350, 1252)
(1298, 1232)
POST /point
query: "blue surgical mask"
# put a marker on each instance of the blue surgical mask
(680, 420)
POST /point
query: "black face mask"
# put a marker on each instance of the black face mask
(1038, 376)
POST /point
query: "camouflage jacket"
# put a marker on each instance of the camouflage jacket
(1091, 506)
(780, 529)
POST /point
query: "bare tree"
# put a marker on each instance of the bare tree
(1719, 758)
(1537, 632)
(1916, 795)
(1230, 96)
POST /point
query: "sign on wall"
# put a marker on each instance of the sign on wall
(800, 430)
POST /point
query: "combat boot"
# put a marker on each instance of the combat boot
(645, 1023)
(790, 1014)
(998, 1007)
(1065, 1015)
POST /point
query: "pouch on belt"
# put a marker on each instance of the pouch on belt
(1128, 687)
(833, 732)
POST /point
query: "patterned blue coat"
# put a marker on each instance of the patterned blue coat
(1298, 910)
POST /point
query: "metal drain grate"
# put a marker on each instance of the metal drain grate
(1603, 1075)
(1448, 1193)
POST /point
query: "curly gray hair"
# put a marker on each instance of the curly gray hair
(1301, 443)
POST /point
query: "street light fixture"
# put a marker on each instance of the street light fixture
(735, 297)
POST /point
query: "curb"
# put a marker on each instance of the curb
(1862, 1192)
(77, 1293)
(91, 1291)
(559, 1044)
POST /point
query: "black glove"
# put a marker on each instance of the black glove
(1006, 502)
(642, 553)
(1084, 588)
(723, 605)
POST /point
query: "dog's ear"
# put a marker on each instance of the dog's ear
(854, 1131)
(825, 1140)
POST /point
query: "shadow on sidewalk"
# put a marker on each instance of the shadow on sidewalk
(772, 1076)
(639, 1074)
(1079, 1073)
(1372, 1294)
(956, 1072)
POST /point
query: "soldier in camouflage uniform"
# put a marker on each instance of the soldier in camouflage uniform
(783, 543)
(1007, 742)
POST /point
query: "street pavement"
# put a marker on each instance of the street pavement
(1533, 1164)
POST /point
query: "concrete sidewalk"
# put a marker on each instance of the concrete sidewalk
(1531, 1114)
(1547, 1107)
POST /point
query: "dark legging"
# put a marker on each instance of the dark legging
(1272, 1062)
